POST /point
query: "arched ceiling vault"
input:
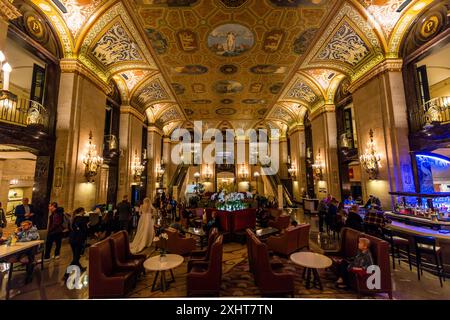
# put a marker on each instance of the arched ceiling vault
(242, 61)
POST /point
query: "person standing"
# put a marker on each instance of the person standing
(55, 230)
(78, 236)
(24, 211)
(145, 230)
(124, 212)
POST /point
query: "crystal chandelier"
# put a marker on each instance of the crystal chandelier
(370, 160)
(91, 161)
(137, 167)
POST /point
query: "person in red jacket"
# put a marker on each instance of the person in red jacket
(55, 230)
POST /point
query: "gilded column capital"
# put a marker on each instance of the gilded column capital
(296, 128)
(325, 108)
(127, 109)
(153, 128)
(388, 65)
(8, 11)
(75, 66)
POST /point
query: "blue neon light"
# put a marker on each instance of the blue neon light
(435, 158)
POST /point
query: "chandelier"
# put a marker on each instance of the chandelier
(91, 161)
(137, 167)
(370, 160)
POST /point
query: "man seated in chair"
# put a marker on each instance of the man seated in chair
(25, 233)
(359, 263)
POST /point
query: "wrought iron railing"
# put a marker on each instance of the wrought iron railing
(433, 112)
(22, 112)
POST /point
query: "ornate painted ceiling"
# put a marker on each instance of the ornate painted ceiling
(240, 61)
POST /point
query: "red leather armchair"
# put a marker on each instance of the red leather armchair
(205, 279)
(269, 280)
(285, 243)
(104, 280)
(380, 254)
(303, 236)
(282, 222)
(123, 259)
(177, 244)
(203, 255)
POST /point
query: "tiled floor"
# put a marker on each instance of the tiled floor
(405, 283)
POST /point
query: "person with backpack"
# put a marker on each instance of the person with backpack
(55, 230)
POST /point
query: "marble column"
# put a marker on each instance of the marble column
(154, 138)
(297, 144)
(380, 105)
(130, 145)
(81, 109)
(324, 133)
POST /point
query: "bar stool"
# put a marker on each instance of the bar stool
(427, 246)
(396, 242)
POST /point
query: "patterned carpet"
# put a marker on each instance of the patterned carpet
(237, 281)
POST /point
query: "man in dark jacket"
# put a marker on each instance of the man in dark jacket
(78, 235)
(124, 213)
(354, 220)
(55, 230)
(24, 211)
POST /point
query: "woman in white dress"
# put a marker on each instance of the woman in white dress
(145, 230)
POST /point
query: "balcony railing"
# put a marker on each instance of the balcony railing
(22, 112)
(433, 112)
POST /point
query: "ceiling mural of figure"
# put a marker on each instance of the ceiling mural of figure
(267, 69)
(157, 40)
(276, 87)
(230, 40)
(228, 86)
(192, 69)
(168, 3)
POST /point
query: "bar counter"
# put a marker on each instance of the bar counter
(408, 231)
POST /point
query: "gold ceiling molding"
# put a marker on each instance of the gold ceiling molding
(352, 25)
(127, 109)
(123, 90)
(8, 11)
(72, 65)
(388, 65)
(302, 90)
(118, 23)
(403, 24)
(49, 9)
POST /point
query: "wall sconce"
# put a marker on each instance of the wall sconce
(318, 166)
(208, 173)
(137, 167)
(91, 161)
(197, 177)
(160, 172)
(292, 171)
(370, 159)
(243, 173)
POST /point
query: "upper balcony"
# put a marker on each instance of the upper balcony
(432, 114)
(23, 112)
